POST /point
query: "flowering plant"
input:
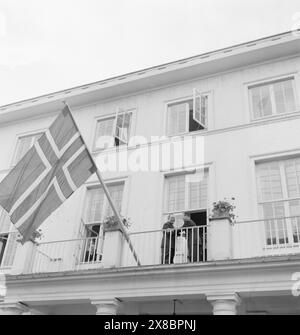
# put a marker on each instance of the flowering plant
(111, 222)
(37, 235)
(224, 208)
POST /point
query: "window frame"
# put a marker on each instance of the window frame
(109, 183)
(285, 200)
(187, 99)
(184, 173)
(114, 117)
(267, 82)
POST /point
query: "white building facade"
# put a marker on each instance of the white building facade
(238, 110)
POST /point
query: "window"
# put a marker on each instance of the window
(279, 197)
(187, 115)
(274, 98)
(186, 192)
(113, 131)
(8, 241)
(97, 209)
(23, 145)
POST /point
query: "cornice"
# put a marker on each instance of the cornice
(182, 64)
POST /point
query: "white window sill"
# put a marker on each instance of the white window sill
(275, 117)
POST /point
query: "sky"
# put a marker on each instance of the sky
(51, 45)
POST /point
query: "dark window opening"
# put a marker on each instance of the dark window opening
(200, 219)
(193, 125)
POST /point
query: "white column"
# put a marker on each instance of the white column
(106, 307)
(23, 258)
(219, 239)
(12, 308)
(112, 250)
(224, 304)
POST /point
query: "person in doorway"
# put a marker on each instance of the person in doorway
(193, 238)
(168, 241)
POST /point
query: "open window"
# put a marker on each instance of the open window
(113, 131)
(200, 106)
(188, 115)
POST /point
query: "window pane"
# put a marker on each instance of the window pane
(197, 185)
(261, 101)
(97, 206)
(116, 192)
(284, 97)
(292, 173)
(199, 115)
(104, 134)
(176, 193)
(194, 184)
(269, 181)
(276, 229)
(177, 115)
(123, 128)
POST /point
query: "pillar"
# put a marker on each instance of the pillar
(219, 239)
(112, 250)
(106, 307)
(23, 258)
(224, 304)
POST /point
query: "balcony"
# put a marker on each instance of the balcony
(218, 241)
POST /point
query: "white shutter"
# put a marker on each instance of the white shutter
(178, 118)
(200, 108)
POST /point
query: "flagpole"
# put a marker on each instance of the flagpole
(106, 191)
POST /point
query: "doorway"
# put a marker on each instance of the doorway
(200, 218)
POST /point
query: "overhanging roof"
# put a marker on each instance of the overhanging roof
(253, 52)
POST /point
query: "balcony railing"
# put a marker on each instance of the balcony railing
(248, 239)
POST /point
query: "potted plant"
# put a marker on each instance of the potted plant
(111, 223)
(37, 235)
(224, 209)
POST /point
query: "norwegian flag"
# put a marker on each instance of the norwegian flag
(46, 176)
